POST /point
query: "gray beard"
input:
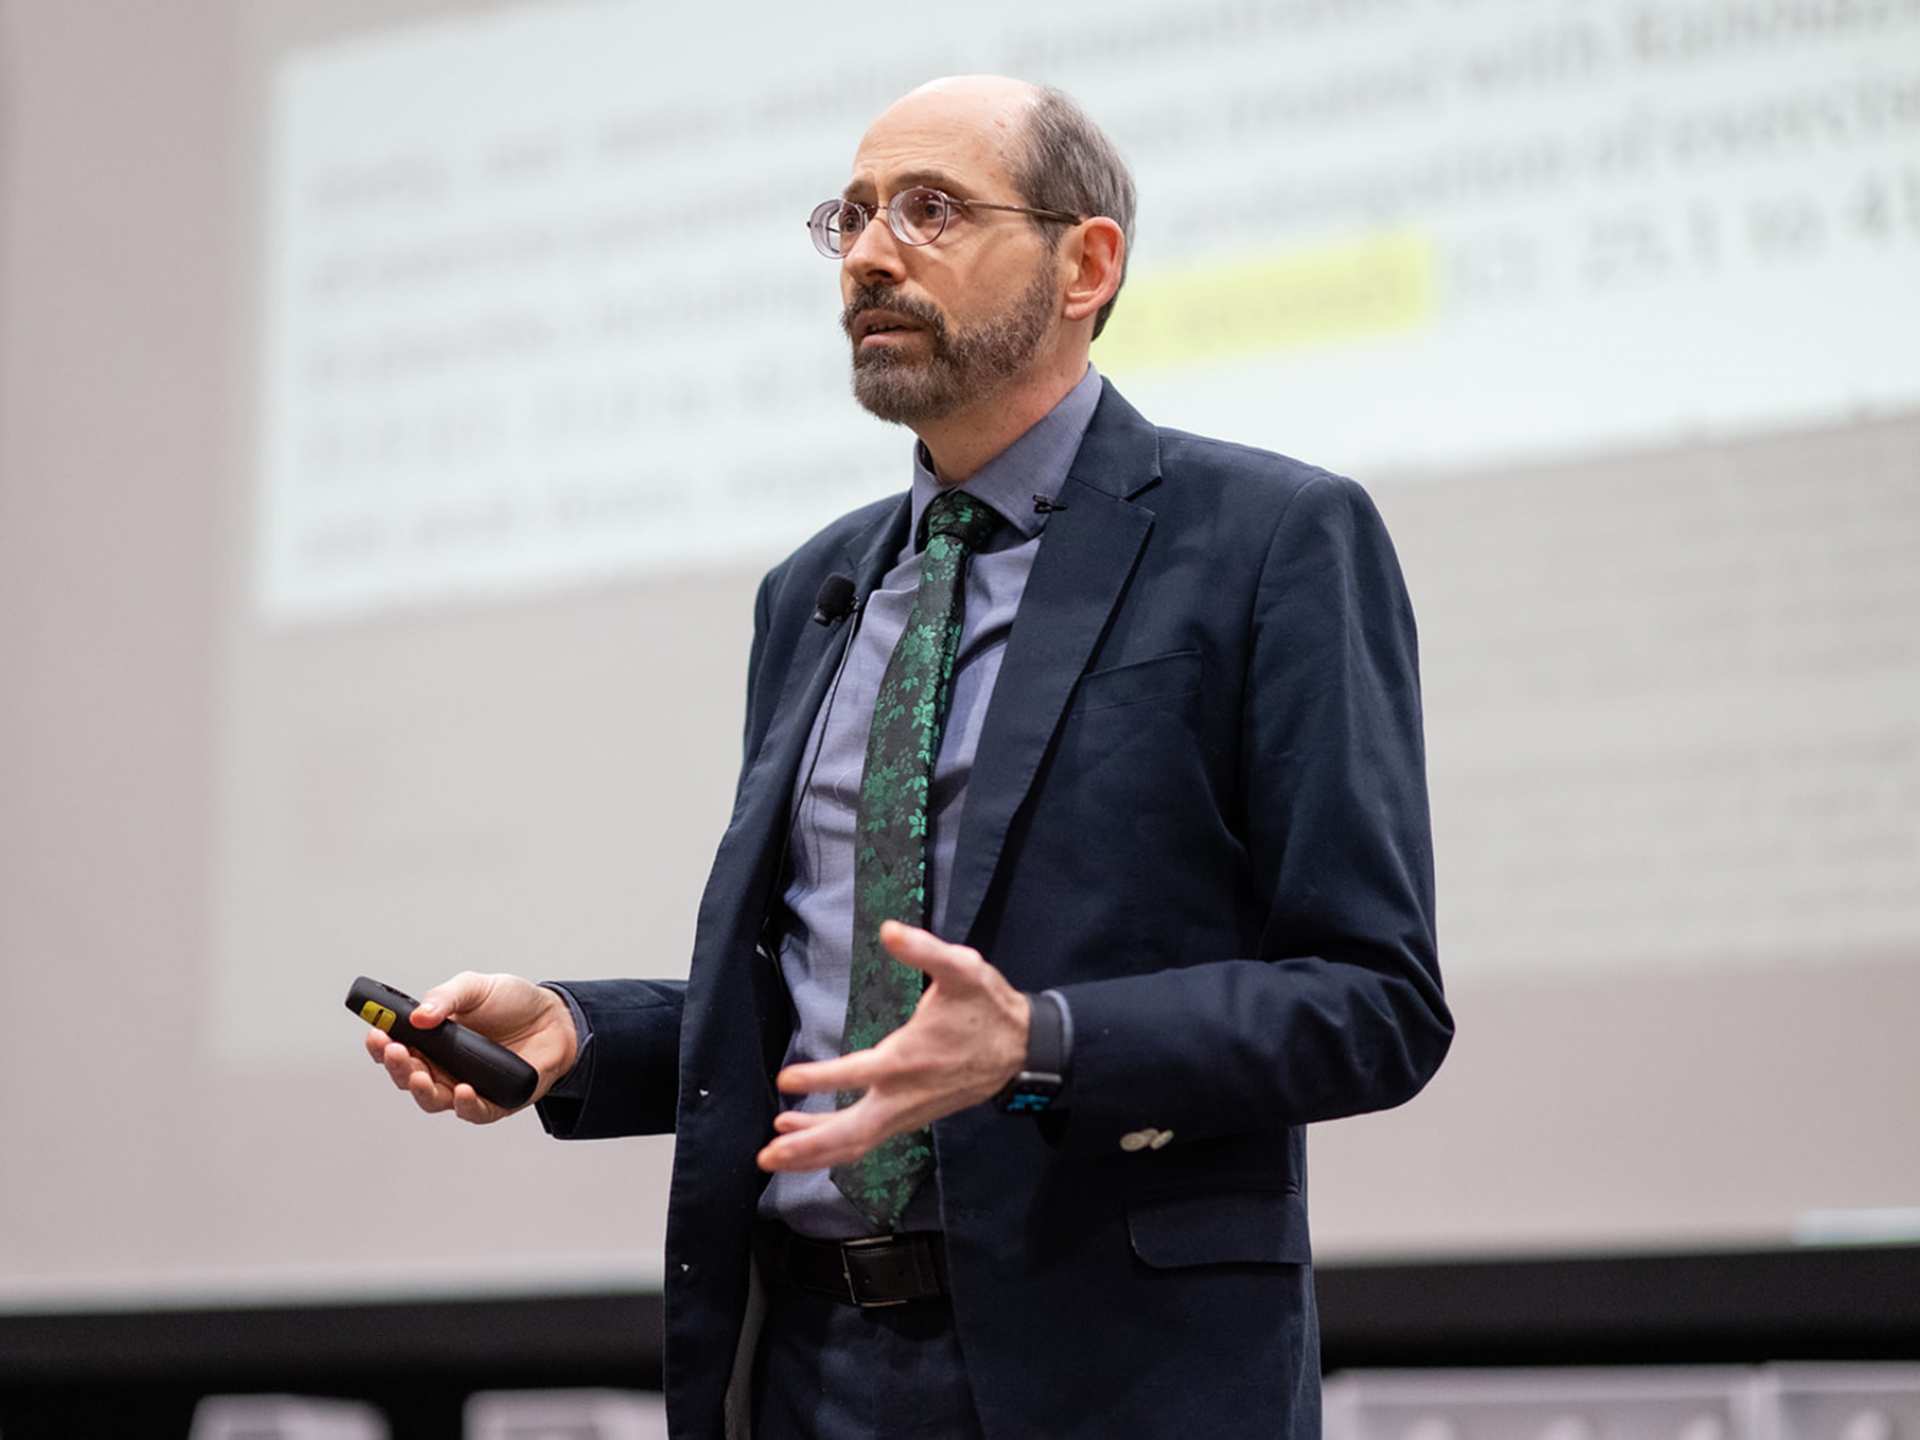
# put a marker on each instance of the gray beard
(962, 369)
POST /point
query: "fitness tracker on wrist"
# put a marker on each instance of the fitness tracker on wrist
(1037, 1087)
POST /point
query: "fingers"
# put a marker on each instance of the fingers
(400, 1062)
(818, 1142)
(926, 951)
(788, 1121)
(429, 1093)
(955, 965)
(464, 992)
(850, 1072)
(431, 1087)
(474, 1110)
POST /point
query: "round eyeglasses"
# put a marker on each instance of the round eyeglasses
(916, 217)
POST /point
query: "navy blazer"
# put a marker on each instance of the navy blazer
(1199, 811)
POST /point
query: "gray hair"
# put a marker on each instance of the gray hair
(1064, 161)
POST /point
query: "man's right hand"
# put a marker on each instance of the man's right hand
(529, 1020)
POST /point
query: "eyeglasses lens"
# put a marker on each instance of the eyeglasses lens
(835, 224)
(919, 215)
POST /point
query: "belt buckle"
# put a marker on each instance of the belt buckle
(847, 1247)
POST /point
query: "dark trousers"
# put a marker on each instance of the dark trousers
(828, 1371)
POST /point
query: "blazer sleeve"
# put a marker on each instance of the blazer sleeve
(632, 1061)
(627, 1079)
(1341, 1010)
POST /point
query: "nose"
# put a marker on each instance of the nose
(875, 257)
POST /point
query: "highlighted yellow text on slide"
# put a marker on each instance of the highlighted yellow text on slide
(1319, 295)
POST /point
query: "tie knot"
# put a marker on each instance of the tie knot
(958, 514)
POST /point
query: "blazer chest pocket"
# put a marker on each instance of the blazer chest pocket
(1162, 677)
(1175, 1229)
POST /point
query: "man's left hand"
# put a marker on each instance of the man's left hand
(966, 1039)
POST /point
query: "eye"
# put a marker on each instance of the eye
(923, 209)
(851, 220)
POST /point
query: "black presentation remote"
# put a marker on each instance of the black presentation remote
(495, 1072)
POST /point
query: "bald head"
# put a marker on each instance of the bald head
(964, 126)
(989, 87)
(992, 108)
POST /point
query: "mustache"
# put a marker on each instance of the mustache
(879, 297)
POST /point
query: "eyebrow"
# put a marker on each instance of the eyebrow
(937, 179)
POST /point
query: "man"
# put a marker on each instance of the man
(1124, 725)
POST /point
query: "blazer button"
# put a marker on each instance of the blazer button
(1161, 1139)
(1136, 1140)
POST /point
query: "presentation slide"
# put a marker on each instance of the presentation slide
(523, 272)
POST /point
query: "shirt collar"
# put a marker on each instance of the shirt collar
(1033, 467)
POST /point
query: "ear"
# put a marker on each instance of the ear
(1093, 255)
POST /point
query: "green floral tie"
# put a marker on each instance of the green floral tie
(890, 831)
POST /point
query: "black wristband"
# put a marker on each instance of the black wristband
(1037, 1087)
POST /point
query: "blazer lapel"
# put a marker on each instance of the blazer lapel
(765, 802)
(870, 553)
(1085, 559)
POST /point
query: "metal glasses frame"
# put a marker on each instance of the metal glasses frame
(896, 222)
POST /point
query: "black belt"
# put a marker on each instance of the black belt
(881, 1270)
